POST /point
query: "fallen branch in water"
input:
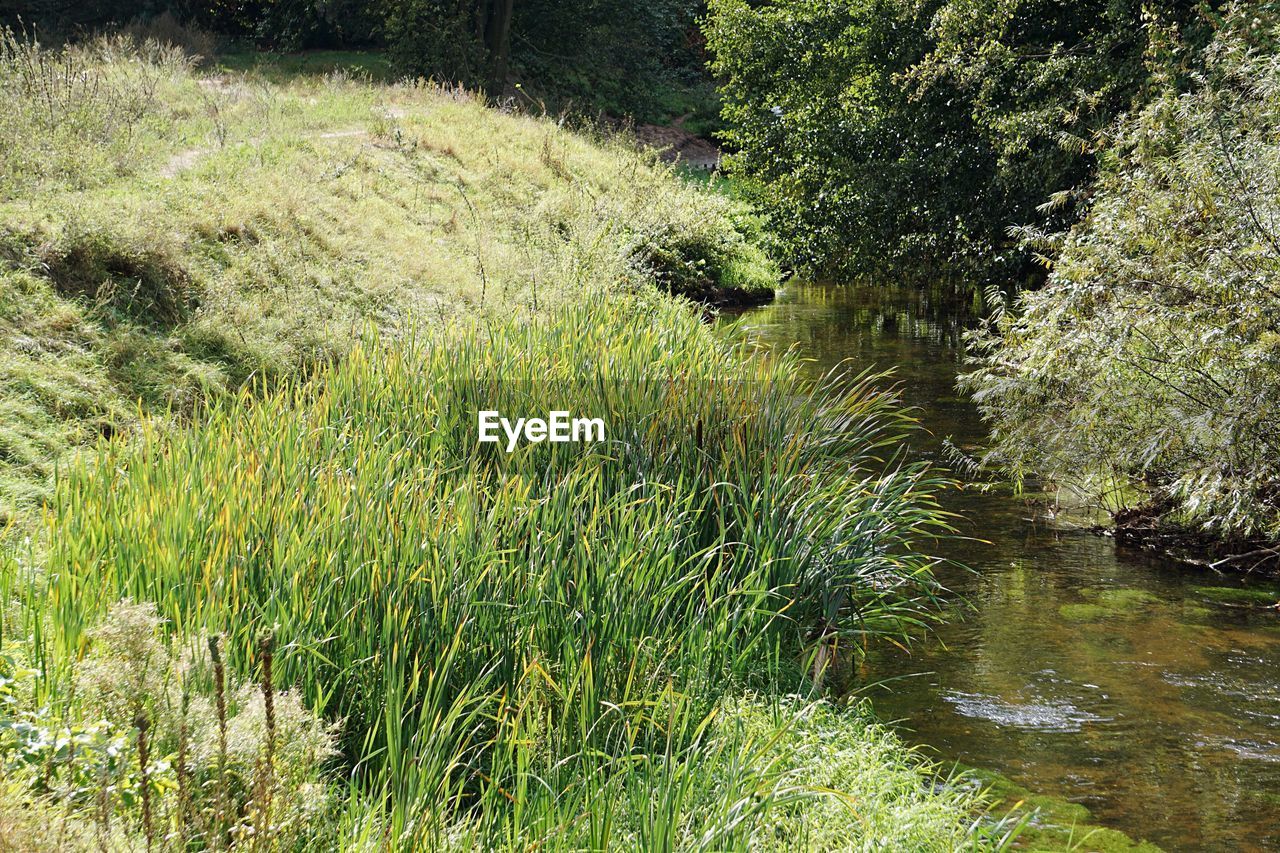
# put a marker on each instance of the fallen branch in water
(1265, 553)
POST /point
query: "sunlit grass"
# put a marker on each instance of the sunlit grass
(541, 647)
(170, 232)
(275, 303)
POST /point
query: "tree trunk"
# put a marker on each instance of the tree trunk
(498, 40)
(482, 12)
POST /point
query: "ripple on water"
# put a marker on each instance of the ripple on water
(1251, 750)
(1230, 693)
(1041, 716)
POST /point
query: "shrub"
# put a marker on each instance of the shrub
(166, 29)
(131, 752)
(886, 137)
(1150, 362)
(76, 113)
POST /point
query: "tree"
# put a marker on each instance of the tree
(1044, 82)
(856, 171)
(496, 36)
(600, 52)
(892, 133)
(619, 56)
(1148, 368)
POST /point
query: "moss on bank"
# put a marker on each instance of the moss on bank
(1239, 596)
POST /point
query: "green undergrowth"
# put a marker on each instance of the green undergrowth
(169, 233)
(691, 105)
(287, 65)
(570, 646)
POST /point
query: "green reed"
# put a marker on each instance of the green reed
(534, 648)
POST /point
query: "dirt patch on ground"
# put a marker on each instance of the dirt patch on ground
(677, 145)
(181, 161)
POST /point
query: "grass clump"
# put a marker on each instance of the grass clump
(828, 748)
(80, 116)
(121, 280)
(570, 646)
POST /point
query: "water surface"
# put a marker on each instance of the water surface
(1077, 670)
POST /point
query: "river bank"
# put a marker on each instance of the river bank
(1147, 528)
(276, 587)
(171, 232)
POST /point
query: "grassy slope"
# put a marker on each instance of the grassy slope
(183, 232)
(170, 240)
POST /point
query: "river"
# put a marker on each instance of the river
(1106, 678)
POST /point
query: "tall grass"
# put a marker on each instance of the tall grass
(81, 113)
(573, 646)
(167, 232)
(543, 648)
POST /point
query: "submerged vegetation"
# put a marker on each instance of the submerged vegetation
(1058, 824)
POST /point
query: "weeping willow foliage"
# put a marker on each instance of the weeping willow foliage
(1152, 358)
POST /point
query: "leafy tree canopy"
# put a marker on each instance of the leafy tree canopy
(621, 56)
(885, 130)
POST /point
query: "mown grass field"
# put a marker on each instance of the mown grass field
(277, 596)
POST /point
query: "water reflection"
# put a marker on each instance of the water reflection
(1099, 676)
